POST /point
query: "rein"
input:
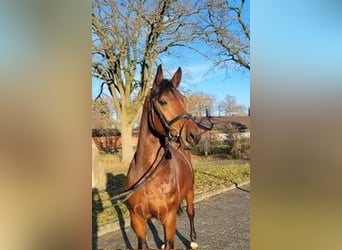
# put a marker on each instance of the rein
(129, 192)
(167, 154)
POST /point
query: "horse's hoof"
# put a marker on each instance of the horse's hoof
(193, 245)
(163, 246)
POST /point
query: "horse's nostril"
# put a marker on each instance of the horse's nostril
(192, 138)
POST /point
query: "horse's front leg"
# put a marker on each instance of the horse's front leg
(139, 227)
(191, 214)
(169, 226)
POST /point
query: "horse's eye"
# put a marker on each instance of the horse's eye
(162, 102)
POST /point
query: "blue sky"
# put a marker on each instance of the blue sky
(199, 76)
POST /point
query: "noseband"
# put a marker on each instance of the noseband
(165, 123)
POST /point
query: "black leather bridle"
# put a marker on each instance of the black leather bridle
(167, 125)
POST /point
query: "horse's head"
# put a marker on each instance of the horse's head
(168, 116)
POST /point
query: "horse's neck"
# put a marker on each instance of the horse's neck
(148, 145)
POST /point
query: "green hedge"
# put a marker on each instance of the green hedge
(105, 132)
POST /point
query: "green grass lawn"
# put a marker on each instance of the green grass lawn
(209, 175)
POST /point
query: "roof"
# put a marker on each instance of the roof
(229, 122)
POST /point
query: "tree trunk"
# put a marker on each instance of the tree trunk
(126, 141)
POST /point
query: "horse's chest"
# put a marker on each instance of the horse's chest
(160, 187)
(156, 198)
(164, 191)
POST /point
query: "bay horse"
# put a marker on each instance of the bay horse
(167, 131)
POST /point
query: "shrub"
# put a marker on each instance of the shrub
(105, 132)
(211, 144)
(240, 149)
(223, 143)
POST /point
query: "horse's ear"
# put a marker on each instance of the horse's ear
(159, 76)
(177, 78)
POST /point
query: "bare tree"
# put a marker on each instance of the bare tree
(198, 103)
(128, 36)
(225, 26)
(230, 106)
